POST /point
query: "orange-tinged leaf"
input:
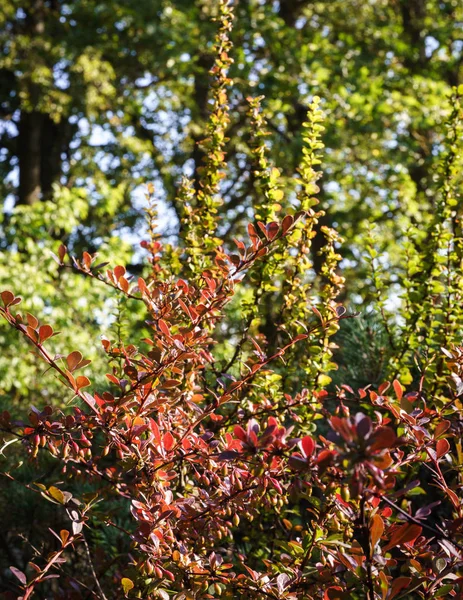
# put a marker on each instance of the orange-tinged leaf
(256, 346)
(442, 447)
(62, 252)
(272, 230)
(163, 327)
(405, 534)
(299, 336)
(234, 386)
(183, 306)
(441, 428)
(383, 388)
(119, 271)
(31, 333)
(71, 379)
(263, 228)
(32, 321)
(384, 461)
(142, 285)
(383, 437)
(45, 332)
(155, 430)
(398, 584)
(82, 382)
(376, 529)
(240, 433)
(64, 535)
(168, 441)
(123, 284)
(194, 314)
(73, 360)
(87, 259)
(170, 383)
(7, 297)
(215, 417)
(384, 585)
(411, 534)
(396, 536)
(398, 389)
(239, 244)
(253, 235)
(453, 497)
(286, 223)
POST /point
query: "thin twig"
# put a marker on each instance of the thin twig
(92, 568)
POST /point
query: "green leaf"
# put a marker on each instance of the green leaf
(324, 380)
(443, 591)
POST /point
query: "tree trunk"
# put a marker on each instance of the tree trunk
(29, 143)
(55, 141)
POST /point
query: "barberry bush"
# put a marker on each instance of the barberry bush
(219, 459)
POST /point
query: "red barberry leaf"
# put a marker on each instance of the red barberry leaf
(168, 441)
(7, 298)
(45, 332)
(398, 389)
(82, 382)
(308, 446)
(442, 447)
(73, 360)
(119, 272)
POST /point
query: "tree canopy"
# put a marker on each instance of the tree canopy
(98, 99)
(290, 338)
